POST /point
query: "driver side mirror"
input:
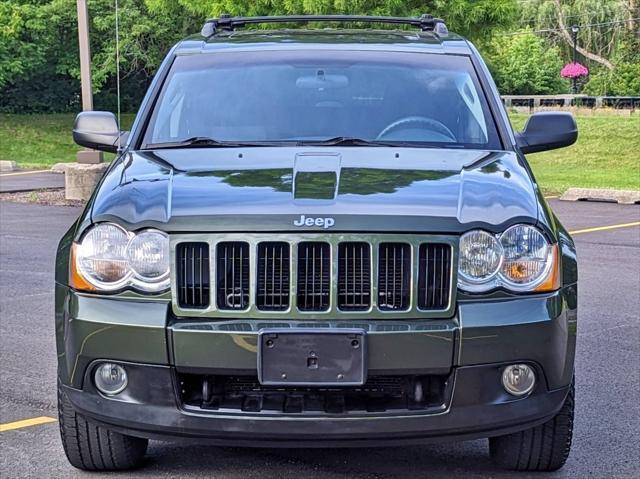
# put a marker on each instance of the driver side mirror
(98, 130)
(547, 131)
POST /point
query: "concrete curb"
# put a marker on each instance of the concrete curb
(624, 197)
(59, 167)
(80, 179)
(6, 165)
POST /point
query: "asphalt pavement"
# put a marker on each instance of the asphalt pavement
(607, 427)
(30, 180)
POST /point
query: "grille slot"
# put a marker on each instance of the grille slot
(394, 276)
(232, 275)
(354, 276)
(434, 276)
(192, 277)
(314, 276)
(273, 276)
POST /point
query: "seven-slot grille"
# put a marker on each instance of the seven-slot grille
(341, 276)
(433, 279)
(193, 275)
(314, 276)
(273, 276)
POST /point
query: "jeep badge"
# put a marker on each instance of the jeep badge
(323, 222)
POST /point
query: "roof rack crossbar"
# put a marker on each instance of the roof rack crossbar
(228, 23)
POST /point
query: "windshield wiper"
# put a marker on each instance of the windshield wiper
(343, 141)
(205, 142)
(352, 141)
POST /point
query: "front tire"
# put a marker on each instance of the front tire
(542, 448)
(95, 448)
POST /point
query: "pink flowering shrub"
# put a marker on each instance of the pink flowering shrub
(574, 70)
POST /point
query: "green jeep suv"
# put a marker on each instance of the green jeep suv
(318, 237)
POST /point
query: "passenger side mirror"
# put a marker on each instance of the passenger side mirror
(547, 131)
(98, 130)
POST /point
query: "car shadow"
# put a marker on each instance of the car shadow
(461, 459)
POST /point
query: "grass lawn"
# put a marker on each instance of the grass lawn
(607, 154)
(40, 141)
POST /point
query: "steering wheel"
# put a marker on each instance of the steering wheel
(417, 122)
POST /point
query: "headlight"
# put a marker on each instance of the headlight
(520, 259)
(101, 256)
(480, 256)
(526, 255)
(109, 258)
(148, 255)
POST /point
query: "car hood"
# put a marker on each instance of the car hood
(358, 188)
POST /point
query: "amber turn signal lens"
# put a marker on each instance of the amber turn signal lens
(76, 280)
(552, 283)
(517, 271)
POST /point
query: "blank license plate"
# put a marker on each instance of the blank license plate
(312, 357)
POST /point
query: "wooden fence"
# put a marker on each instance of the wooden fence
(568, 101)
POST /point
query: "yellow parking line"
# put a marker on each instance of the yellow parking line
(26, 423)
(25, 173)
(604, 228)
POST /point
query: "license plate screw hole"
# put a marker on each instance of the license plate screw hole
(355, 343)
(269, 343)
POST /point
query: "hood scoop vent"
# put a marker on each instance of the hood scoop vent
(316, 176)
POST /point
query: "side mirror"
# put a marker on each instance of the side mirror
(98, 130)
(547, 131)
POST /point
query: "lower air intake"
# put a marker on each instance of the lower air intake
(380, 395)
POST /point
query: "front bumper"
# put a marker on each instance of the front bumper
(479, 408)
(471, 348)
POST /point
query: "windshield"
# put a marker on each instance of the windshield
(310, 97)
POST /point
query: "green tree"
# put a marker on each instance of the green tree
(476, 19)
(524, 64)
(39, 66)
(608, 39)
(603, 25)
(18, 24)
(623, 80)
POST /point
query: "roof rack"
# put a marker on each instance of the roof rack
(228, 23)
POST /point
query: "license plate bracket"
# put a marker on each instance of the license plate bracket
(312, 357)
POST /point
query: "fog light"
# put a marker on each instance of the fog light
(110, 378)
(518, 379)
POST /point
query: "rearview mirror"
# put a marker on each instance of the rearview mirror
(547, 131)
(322, 81)
(98, 130)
